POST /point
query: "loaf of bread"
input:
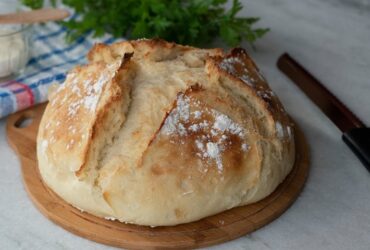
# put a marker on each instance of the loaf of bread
(155, 133)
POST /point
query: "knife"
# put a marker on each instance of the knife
(354, 132)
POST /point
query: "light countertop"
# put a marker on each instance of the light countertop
(331, 38)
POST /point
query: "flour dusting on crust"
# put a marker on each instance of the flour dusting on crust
(211, 130)
(229, 64)
(237, 67)
(85, 90)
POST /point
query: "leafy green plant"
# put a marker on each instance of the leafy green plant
(34, 4)
(194, 22)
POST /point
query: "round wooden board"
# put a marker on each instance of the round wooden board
(215, 229)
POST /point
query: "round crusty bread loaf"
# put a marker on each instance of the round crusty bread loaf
(154, 133)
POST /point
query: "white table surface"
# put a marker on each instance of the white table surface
(331, 38)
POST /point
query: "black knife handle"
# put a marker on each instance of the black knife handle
(358, 139)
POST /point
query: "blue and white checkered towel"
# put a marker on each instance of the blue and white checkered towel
(51, 58)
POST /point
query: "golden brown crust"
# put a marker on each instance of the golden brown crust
(164, 134)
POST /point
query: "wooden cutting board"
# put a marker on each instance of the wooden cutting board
(215, 229)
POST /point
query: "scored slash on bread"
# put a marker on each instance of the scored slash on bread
(89, 92)
(196, 119)
(155, 133)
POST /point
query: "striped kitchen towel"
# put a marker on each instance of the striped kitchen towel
(51, 58)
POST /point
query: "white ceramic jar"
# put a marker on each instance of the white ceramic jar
(14, 43)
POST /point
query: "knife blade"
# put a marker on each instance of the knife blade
(354, 132)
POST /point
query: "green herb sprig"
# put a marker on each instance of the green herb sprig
(193, 22)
